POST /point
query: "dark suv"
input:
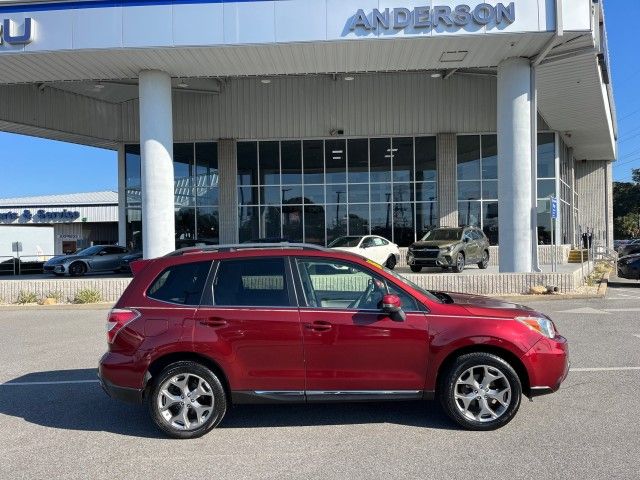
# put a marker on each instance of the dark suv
(201, 329)
(448, 247)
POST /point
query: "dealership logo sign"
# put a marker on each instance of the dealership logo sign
(8, 33)
(41, 216)
(432, 17)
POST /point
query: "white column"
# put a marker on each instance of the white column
(156, 144)
(122, 198)
(514, 165)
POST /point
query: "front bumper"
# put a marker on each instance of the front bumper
(54, 268)
(441, 260)
(547, 364)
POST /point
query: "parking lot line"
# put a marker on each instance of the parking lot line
(603, 369)
(17, 384)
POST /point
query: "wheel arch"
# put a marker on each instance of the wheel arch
(160, 363)
(503, 353)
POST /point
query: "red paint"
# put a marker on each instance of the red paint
(321, 349)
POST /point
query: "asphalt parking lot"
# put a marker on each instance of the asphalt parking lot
(56, 422)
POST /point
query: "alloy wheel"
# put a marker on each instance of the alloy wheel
(185, 401)
(482, 393)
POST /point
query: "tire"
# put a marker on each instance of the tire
(478, 413)
(391, 262)
(415, 268)
(460, 263)
(77, 269)
(484, 263)
(177, 379)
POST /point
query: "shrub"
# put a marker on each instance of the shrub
(26, 297)
(55, 294)
(87, 295)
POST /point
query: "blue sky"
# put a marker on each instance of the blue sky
(33, 166)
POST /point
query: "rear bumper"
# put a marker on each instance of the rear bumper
(125, 394)
(548, 365)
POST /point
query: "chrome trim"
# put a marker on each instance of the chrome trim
(279, 392)
(363, 392)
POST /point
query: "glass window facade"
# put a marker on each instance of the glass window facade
(478, 183)
(195, 168)
(317, 190)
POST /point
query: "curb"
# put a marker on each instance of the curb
(604, 284)
(58, 306)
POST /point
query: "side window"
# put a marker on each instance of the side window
(255, 282)
(379, 242)
(341, 285)
(476, 235)
(467, 234)
(182, 284)
(367, 242)
(113, 250)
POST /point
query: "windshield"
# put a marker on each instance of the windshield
(89, 251)
(345, 242)
(415, 286)
(443, 234)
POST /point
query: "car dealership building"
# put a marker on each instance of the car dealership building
(312, 119)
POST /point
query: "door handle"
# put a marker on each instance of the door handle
(213, 322)
(319, 326)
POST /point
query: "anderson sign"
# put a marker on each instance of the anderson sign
(432, 17)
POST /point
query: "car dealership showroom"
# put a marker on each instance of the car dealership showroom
(314, 119)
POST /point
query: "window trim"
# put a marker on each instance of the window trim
(208, 297)
(303, 304)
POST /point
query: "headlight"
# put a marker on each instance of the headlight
(542, 325)
(447, 249)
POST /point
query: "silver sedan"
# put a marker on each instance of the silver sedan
(98, 258)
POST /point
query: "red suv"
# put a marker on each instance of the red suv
(201, 329)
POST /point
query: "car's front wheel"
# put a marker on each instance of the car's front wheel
(186, 400)
(484, 263)
(480, 391)
(77, 269)
(460, 263)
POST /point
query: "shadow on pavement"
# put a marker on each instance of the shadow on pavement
(84, 406)
(617, 282)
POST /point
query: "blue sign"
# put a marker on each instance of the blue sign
(554, 208)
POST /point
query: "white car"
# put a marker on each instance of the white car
(372, 247)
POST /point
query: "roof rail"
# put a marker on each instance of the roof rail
(232, 247)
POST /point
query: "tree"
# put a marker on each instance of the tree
(627, 226)
(635, 175)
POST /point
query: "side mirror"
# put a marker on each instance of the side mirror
(102, 252)
(392, 305)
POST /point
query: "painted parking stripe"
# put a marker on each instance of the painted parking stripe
(603, 369)
(60, 382)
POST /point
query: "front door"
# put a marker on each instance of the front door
(249, 323)
(351, 347)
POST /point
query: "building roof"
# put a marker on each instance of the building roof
(66, 199)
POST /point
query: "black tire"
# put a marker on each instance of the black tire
(182, 369)
(447, 389)
(484, 263)
(77, 269)
(415, 268)
(391, 262)
(460, 263)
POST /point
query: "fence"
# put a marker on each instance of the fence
(23, 265)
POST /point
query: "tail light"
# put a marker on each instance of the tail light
(118, 319)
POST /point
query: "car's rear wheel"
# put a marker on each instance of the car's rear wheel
(484, 263)
(460, 263)
(391, 262)
(415, 268)
(480, 391)
(186, 400)
(77, 269)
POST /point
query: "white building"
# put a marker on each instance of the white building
(55, 224)
(309, 119)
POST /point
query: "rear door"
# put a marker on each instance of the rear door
(249, 323)
(352, 348)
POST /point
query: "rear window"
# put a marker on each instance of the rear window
(182, 284)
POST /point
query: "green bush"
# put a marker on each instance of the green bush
(87, 295)
(26, 297)
(57, 295)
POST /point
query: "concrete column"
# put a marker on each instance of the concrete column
(228, 179)
(515, 165)
(447, 179)
(156, 144)
(122, 197)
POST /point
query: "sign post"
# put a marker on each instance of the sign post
(553, 212)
